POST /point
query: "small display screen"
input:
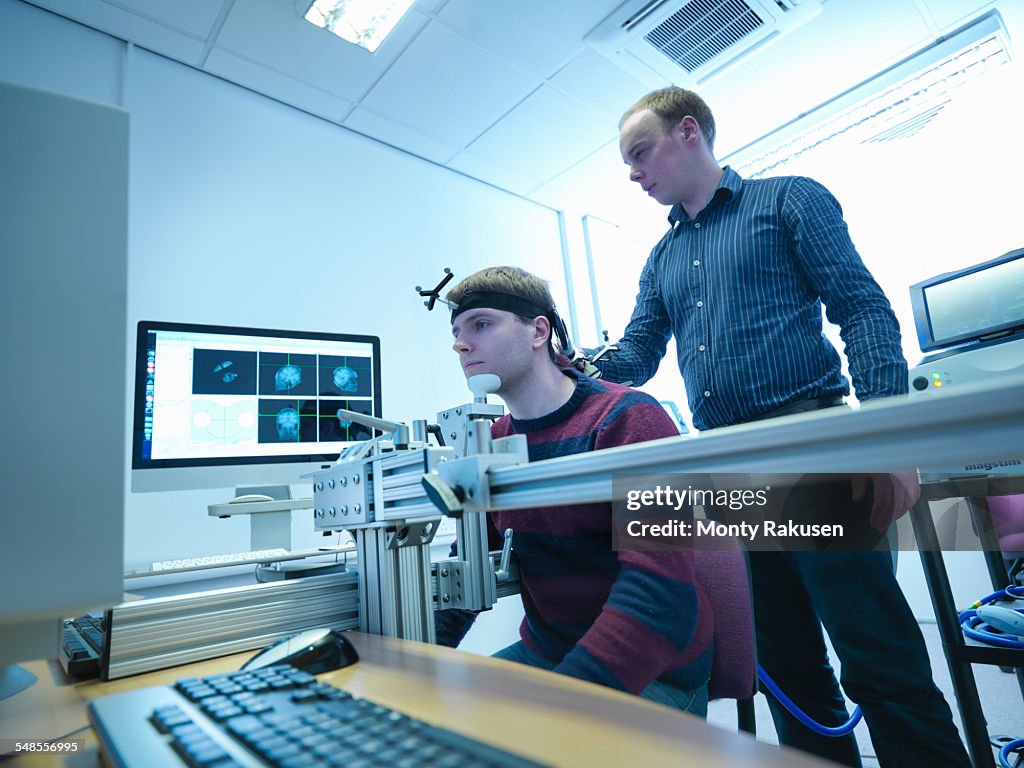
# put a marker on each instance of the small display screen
(977, 302)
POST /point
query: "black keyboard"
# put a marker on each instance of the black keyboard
(82, 643)
(277, 716)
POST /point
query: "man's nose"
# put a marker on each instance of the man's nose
(634, 174)
(459, 345)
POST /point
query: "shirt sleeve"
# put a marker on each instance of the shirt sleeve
(652, 611)
(645, 339)
(853, 299)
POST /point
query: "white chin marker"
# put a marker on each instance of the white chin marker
(483, 384)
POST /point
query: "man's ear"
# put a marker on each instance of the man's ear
(688, 128)
(541, 332)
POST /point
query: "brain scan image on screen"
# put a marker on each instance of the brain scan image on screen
(287, 420)
(287, 374)
(345, 379)
(225, 375)
(287, 378)
(223, 372)
(334, 426)
(288, 425)
(346, 376)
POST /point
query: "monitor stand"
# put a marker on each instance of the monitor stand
(14, 679)
(270, 508)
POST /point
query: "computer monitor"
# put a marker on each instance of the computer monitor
(64, 219)
(972, 304)
(219, 406)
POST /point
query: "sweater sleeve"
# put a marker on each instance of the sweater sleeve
(652, 611)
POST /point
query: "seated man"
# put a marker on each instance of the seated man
(633, 621)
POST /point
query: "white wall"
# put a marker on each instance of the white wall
(247, 212)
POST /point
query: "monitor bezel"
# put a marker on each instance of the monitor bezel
(143, 329)
(922, 317)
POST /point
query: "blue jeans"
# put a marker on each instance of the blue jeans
(693, 701)
(885, 665)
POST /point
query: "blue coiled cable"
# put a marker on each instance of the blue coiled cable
(976, 628)
(799, 714)
(1004, 753)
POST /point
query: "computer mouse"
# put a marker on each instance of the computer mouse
(313, 651)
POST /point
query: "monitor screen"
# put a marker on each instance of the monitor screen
(217, 406)
(970, 304)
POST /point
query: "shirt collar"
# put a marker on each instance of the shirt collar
(729, 186)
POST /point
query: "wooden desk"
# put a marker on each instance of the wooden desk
(538, 714)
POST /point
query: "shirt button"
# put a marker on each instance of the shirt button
(707, 393)
(696, 225)
(696, 262)
(701, 347)
(700, 303)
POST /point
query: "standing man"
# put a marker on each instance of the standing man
(630, 620)
(740, 279)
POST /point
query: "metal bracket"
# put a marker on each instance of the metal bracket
(413, 534)
(467, 477)
(461, 424)
(451, 581)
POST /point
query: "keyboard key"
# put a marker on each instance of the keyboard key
(208, 561)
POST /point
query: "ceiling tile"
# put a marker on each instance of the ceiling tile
(537, 37)
(452, 88)
(193, 17)
(400, 136)
(277, 86)
(273, 33)
(126, 25)
(594, 80)
(949, 14)
(546, 133)
(430, 6)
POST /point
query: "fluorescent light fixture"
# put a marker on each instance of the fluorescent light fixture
(895, 104)
(363, 22)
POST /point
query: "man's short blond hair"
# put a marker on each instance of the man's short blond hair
(671, 105)
(511, 280)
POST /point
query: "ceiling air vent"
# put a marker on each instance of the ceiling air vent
(689, 42)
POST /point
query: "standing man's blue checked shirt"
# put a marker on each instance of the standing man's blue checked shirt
(741, 287)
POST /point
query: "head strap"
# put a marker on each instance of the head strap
(503, 301)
